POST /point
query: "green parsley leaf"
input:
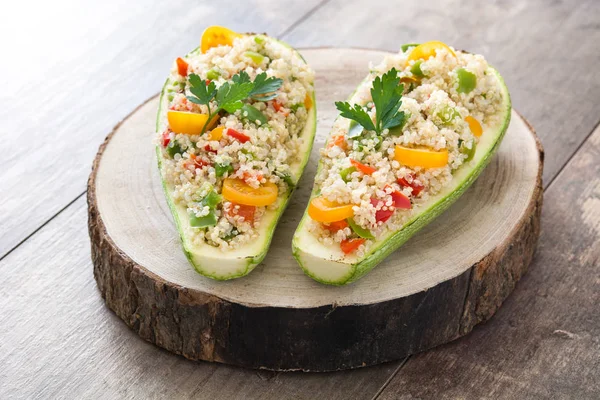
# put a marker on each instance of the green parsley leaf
(203, 93)
(357, 114)
(387, 99)
(264, 88)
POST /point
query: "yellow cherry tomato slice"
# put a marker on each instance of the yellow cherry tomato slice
(307, 102)
(238, 191)
(474, 125)
(214, 36)
(323, 210)
(419, 157)
(216, 134)
(426, 50)
(188, 122)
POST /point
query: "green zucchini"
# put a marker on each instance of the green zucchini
(329, 265)
(211, 261)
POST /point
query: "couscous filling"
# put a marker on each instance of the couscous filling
(412, 123)
(236, 111)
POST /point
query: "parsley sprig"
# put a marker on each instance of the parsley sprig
(230, 95)
(387, 98)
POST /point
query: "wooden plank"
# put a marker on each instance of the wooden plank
(76, 71)
(546, 51)
(60, 340)
(544, 342)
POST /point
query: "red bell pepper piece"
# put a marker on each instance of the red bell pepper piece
(336, 226)
(166, 139)
(400, 200)
(365, 169)
(382, 215)
(350, 245)
(416, 187)
(238, 135)
(182, 66)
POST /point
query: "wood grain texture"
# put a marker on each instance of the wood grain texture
(60, 341)
(277, 318)
(94, 62)
(544, 343)
(545, 51)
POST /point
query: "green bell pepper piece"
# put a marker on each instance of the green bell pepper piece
(346, 172)
(416, 69)
(466, 80)
(359, 230)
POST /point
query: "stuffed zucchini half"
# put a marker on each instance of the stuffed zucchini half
(235, 128)
(413, 137)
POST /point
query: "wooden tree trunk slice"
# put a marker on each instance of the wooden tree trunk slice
(451, 276)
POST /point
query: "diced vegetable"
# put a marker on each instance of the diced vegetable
(238, 191)
(365, 169)
(416, 187)
(470, 152)
(182, 66)
(428, 49)
(400, 200)
(447, 114)
(202, 222)
(174, 148)
(308, 101)
(382, 215)
(242, 210)
(466, 81)
(359, 230)
(251, 114)
(238, 135)
(346, 172)
(474, 126)
(257, 58)
(416, 69)
(336, 226)
(350, 245)
(188, 123)
(212, 75)
(166, 138)
(259, 39)
(222, 169)
(339, 141)
(216, 134)
(211, 200)
(196, 162)
(323, 210)
(420, 157)
(214, 36)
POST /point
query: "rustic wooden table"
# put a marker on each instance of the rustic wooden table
(73, 69)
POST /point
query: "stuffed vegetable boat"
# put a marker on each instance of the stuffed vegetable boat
(235, 127)
(411, 139)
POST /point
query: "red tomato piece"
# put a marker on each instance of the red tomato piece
(209, 149)
(382, 215)
(238, 135)
(336, 226)
(400, 200)
(166, 139)
(365, 169)
(350, 245)
(416, 187)
(197, 162)
(244, 211)
(182, 66)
